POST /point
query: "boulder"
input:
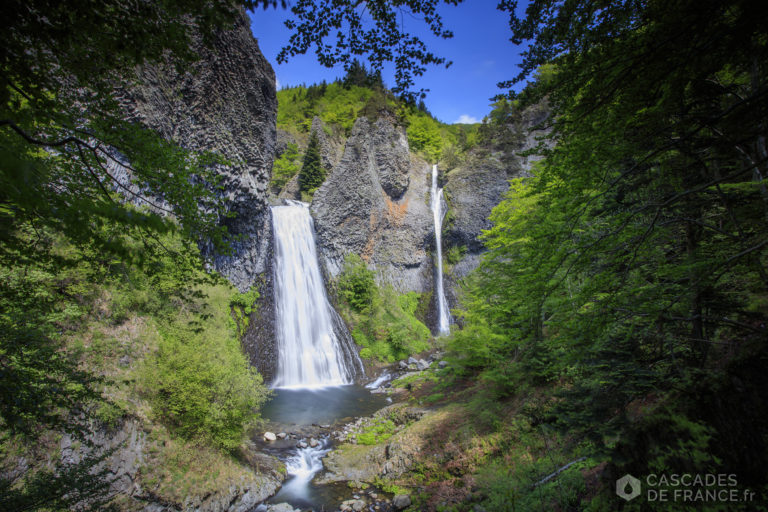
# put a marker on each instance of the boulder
(270, 436)
(401, 501)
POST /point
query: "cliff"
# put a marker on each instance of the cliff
(225, 103)
(375, 203)
(478, 184)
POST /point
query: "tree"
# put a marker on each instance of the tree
(312, 173)
(385, 40)
(634, 262)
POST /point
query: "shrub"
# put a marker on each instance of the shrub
(199, 382)
(382, 321)
(356, 284)
(285, 167)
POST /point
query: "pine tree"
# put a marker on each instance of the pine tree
(312, 173)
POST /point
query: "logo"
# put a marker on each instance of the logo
(628, 487)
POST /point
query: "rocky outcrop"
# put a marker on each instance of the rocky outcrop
(389, 459)
(330, 147)
(375, 203)
(225, 103)
(127, 445)
(475, 187)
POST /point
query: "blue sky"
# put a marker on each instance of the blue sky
(481, 52)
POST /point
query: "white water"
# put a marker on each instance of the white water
(381, 379)
(436, 198)
(302, 467)
(314, 350)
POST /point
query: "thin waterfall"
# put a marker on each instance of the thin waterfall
(436, 198)
(314, 348)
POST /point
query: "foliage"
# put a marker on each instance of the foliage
(383, 39)
(336, 105)
(378, 431)
(631, 264)
(65, 486)
(199, 382)
(424, 136)
(285, 167)
(382, 321)
(312, 173)
(242, 306)
(356, 284)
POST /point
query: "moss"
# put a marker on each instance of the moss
(376, 432)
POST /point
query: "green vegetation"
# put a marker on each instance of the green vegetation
(242, 305)
(312, 173)
(381, 321)
(624, 283)
(378, 431)
(335, 104)
(285, 167)
(362, 94)
(199, 382)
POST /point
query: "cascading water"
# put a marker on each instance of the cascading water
(302, 467)
(314, 348)
(436, 198)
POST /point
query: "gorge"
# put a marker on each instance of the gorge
(218, 293)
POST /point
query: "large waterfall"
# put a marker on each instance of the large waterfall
(314, 347)
(436, 198)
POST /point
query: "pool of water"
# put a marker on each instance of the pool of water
(321, 405)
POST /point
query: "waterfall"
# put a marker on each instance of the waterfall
(436, 198)
(314, 348)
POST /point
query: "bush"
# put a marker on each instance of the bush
(356, 284)
(382, 321)
(285, 167)
(199, 382)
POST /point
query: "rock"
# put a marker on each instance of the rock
(291, 190)
(374, 204)
(302, 444)
(373, 495)
(270, 436)
(478, 184)
(225, 103)
(422, 364)
(313, 443)
(401, 501)
(442, 364)
(412, 360)
(281, 435)
(124, 361)
(280, 507)
(402, 365)
(358, 505)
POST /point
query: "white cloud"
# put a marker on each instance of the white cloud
(466, 119)
(277, 83)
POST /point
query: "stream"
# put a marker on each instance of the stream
(304, 414)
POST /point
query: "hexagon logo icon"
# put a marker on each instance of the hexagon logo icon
(628, 487)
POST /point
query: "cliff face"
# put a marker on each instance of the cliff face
(225, 103)
(477, 185)
(375, 203)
